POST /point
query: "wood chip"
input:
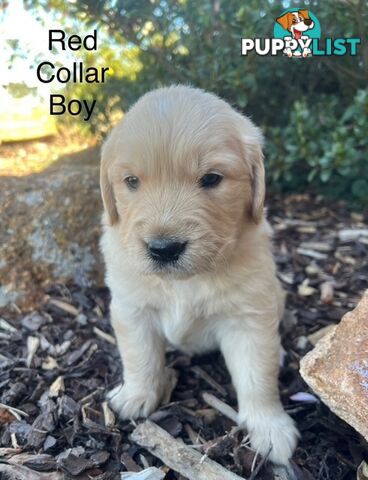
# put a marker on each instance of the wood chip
(347, 259)
(208, 413)
(362, 473)
(57, 387)
(312, 269)
(151, 473)
(311, 253)
(287, 278)
(350, 234)
(307, 229)
(316, 336)
(327, 292)
(32, 345)
(195, 438)
(66, 307)
(220, 406)
(106, 336)
(50, 363)
(4, 325)
(19, 472)
(207, 378)
(109, 417)
(177, 455)
(319, 246)
(63, 348)
(9, 452)
(129, 462)
(40, 462)
(305, 290)
(14, 440)
(295, 222)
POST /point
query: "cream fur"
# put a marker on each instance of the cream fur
(224, 292)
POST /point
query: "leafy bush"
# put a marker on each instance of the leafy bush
(322, 150)
(314, 112)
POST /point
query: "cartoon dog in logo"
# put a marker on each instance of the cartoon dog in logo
(296, 23)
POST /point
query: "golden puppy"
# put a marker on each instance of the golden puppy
(188, 255)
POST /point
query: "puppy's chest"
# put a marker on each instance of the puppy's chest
(188, 326)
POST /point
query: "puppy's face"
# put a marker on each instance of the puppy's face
(181, 178)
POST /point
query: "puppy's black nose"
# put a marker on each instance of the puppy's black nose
(308, 21)
(165, 250)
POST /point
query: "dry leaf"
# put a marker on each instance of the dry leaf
(6, 416)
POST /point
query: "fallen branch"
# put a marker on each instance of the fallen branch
(178, 456)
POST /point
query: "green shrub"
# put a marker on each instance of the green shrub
(314, 112)
(321, 149)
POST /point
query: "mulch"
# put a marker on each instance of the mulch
(57, 363)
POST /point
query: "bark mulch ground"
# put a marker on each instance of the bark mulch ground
(57, 363)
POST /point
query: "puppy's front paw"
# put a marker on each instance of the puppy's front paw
(140, 400)
(276, 431)
(132, 401)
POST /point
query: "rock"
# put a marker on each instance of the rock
(337, 368)
(50, 224)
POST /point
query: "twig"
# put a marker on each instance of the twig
(195, 438)
(207, 378)
(220, 406)
(256, 470)
(179, 456)
(14, 411)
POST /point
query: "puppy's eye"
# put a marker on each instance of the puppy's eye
(132, 182)
(210, 180)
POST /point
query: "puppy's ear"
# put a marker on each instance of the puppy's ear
(258, 183)
(251, 148)
(304, 13)
(107, 192)
(285, 20)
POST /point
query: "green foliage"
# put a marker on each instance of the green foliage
(19, 90)
(322, 149)
(314, 111)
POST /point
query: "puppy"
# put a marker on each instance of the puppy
(188, 255)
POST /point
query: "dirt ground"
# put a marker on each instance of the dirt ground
(57, 363)
(24, 158)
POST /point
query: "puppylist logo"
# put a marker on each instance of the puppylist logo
(297, 34)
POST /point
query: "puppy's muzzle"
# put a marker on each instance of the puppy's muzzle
(308, 22)
(165, 250)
